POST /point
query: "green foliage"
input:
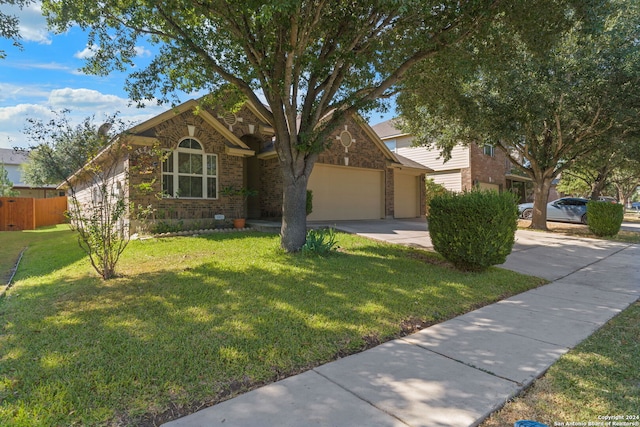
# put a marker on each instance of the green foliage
(6, 186)
(473, 230)
(309, 203)
(320, 242)
(544, 102)
(160, 226)
(433, 189)
(243, 194)
(61, 148)
(604, 218)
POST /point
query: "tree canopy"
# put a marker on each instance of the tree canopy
(544, 104)
(9, 24)
(60, 148)
(304, 64)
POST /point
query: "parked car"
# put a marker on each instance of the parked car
(607, 199)
(566, 209)
(635, 206)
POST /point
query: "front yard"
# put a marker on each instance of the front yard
(196, 320)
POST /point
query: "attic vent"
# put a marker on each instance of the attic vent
(230, 119)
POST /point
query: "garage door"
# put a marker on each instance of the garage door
(341, 193)
(406, 195)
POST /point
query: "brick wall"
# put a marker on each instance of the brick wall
(484, 168)
(230, 173)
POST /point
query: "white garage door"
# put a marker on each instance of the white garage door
(341, 193)
(406, 195)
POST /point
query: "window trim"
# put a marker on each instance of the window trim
(175, 174)
(492, 150)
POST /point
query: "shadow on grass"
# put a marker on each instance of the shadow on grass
(151, 346)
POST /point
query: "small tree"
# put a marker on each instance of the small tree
(6, 186)
(97, 186)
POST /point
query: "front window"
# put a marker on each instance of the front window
(488, 150)
(190, 173)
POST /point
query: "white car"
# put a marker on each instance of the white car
(566, 209)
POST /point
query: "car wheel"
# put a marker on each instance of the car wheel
(583, 219)
(527, 213)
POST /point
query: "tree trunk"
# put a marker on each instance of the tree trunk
(293, 233)
(540, 200)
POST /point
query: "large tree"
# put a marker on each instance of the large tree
(595, 173)
(312, 61)
(545, 103)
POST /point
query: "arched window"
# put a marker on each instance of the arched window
(188, 172)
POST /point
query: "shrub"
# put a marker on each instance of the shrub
(433, 189)
(604, 218)
(473, 230)
(309, 202)
(320, 242)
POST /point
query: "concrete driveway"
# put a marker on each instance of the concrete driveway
(548, 255)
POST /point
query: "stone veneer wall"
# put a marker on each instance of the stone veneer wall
(230, 169)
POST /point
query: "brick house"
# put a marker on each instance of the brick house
(207, 150)
(473, 165)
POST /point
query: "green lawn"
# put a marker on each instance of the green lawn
(13, 242)
(600, 377)
(195, 320)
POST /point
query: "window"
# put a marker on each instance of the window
(488, 150)
(189, 172)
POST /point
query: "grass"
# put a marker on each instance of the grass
(195, 320)
(14, 242)
(599, 377)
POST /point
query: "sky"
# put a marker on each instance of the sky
(45, 76)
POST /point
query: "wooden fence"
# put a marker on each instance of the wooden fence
(23, 213)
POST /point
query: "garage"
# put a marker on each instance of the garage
(406, 195)
(343, 193)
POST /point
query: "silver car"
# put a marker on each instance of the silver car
(566, 209)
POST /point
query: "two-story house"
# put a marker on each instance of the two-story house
(470, 166)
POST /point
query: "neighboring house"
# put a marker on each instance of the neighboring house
(207, 150)
(470, 165)
(13, 161)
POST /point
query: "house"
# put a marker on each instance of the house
(13, 161)
(470, 166)
(206, 150)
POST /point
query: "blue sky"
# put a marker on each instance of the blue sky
(46, 76)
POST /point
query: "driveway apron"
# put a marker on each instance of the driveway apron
(458, 372)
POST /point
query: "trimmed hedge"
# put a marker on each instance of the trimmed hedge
(604, 218)
(473, 230)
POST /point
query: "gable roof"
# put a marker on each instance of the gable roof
(9, 156)
(388, 129)
(192, 104)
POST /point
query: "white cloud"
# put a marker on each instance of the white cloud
(142, 51)
(85, 99)
(33, 26)
(81, 103)
(88, 52)
(13, 121)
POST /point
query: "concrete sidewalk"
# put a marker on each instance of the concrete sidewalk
(458, 372)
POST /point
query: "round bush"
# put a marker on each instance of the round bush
(604, 218)
(473, 230)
